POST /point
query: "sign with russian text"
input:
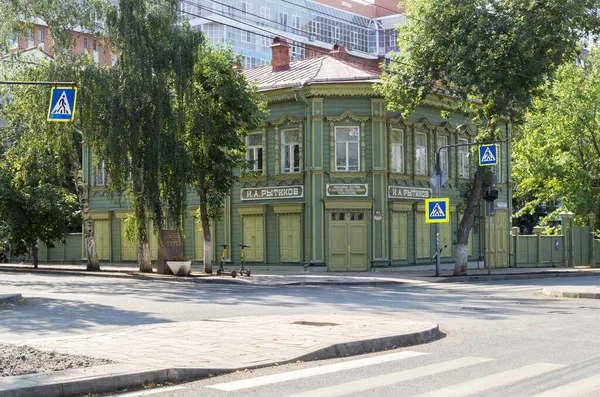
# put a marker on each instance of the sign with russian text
(272, 192)
(410, 193)
(347, 190)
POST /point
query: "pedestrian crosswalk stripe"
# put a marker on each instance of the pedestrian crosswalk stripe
(308, 372)
(575, 389)
(362, 385)
(152, 391)
(492, 381)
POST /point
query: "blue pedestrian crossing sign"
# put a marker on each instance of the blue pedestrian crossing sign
(488, 154)
(62, 104)
(437, 210)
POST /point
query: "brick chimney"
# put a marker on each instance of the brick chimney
(339, 52)
(280, 50)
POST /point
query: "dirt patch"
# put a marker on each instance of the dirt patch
(22, 360)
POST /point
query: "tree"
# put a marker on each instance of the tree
(220, 107)
(490, 57)
(62, 19)
(556, 153)
(34, 204)
(137, 127)
(26, 118)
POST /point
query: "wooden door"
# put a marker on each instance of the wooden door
(289, 237)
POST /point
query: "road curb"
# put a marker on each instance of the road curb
(508, 277)
(114, 382)
(570, 294)
(12, 298)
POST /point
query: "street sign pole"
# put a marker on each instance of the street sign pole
(438, 188)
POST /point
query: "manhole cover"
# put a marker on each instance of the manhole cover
(314, 324)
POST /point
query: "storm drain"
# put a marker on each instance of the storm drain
(477, 309)
(314, 324)
(560, 312)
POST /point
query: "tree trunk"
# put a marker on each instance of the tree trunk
(143, 250)
(466, 223)
(34, 254)
(206, 230)
(93, 264)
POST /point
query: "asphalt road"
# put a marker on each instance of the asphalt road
(502, 338)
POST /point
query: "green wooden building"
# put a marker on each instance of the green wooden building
(335, 181)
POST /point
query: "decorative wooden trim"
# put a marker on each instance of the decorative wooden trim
(401, 206)
(262, 178)
(247, 210)
(347, 115)
(346, 175)
(290, 177)
(281, 209)
(286, 119)
(362, 147)
(122, 214)
(100, 215)
(277, 151)
(345, 205)
(264, 154)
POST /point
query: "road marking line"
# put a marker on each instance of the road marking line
(390, 379)
(489, 382)
(153, 391)
(308, 372)
(575, 389)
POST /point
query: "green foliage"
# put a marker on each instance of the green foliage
(495, 52)
(221, 108)
(178, 259)
(556, 153)
(34, 205)
(139, 122)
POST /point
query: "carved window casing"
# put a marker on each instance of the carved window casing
(397, 151)
(101, 174)
(254, 152)
(347, 149)
(463, 158)
(444, 161)
(290, 151)
(421, 166)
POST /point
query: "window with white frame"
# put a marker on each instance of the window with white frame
(443, 141)
(463, 158)
(296, 21)
(290, 151)
(335, 33)
(420, 153)
(101, 174)
(347, 148)
(254, 152)
(245, 7)
(397, 151)
(265, 13)
(355, 38)
(41, 35)
(283, 18)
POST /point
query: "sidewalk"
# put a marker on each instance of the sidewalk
(190, 350)
(381, 276)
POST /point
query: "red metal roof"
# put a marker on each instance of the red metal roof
(325, 69)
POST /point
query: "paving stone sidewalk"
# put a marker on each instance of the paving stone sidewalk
(185, 350)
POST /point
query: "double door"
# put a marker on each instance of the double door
(347, 241)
